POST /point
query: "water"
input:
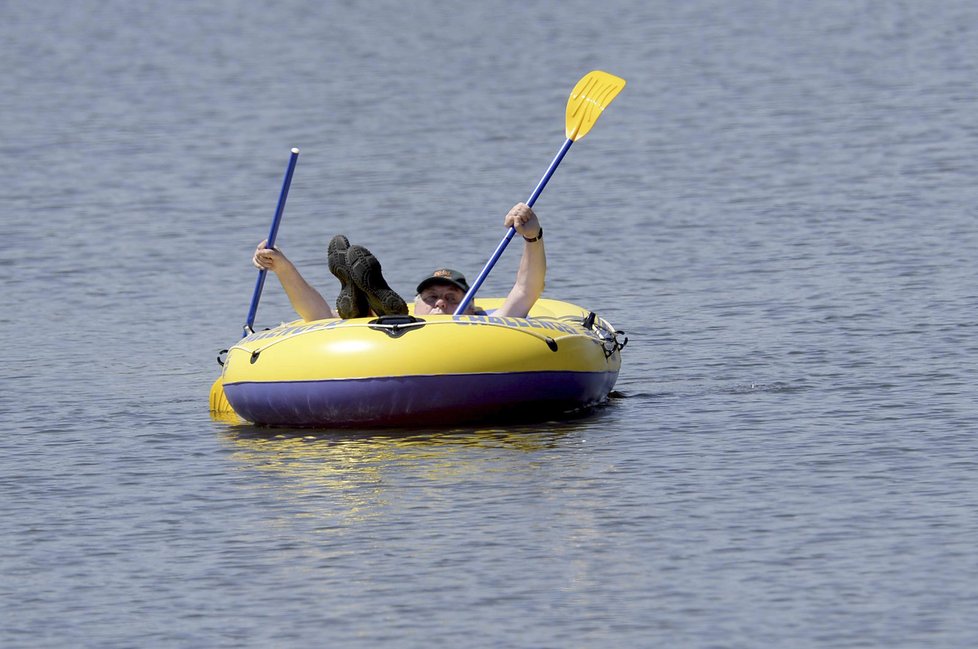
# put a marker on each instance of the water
(779, 209)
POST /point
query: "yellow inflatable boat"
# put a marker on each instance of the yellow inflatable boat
(406, 370)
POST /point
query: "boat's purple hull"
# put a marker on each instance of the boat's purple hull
(417, 400)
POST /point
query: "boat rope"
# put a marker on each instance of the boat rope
(401, 327)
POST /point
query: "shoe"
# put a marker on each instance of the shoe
(351, 303)
(365, 272)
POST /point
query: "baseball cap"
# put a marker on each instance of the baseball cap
(444, 276)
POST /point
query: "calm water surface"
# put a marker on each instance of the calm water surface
(780, 210)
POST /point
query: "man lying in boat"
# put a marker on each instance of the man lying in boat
(363, 289)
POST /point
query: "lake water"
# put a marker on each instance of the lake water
(779, 209)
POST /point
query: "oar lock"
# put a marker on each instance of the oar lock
(612, 339)
(222, 355)
(589, 321)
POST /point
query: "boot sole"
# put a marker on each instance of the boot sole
(350, 303)
(366, 274)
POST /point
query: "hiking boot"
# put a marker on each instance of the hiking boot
(365, 272)
(351, 302)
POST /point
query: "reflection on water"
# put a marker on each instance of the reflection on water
(348, 474)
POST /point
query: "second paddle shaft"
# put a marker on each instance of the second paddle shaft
(249, 326)
(474, 288)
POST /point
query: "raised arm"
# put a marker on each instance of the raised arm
(531, 276)
(306, 300)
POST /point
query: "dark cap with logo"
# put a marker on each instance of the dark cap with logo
(444, 276)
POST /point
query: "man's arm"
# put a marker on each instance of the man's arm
(306, 300)
(531, 276)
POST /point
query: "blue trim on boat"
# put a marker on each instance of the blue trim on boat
(420, 400)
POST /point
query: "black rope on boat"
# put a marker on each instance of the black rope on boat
(396, 326)
(220, 360)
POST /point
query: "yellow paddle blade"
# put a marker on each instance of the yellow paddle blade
(590, 96)
(219, 401)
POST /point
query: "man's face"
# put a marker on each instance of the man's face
(439, 299)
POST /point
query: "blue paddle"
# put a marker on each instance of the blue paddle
(249, 326)
(590, 96)
(218, 400)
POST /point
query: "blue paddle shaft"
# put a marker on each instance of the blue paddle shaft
(249, 326)
(464, 304)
